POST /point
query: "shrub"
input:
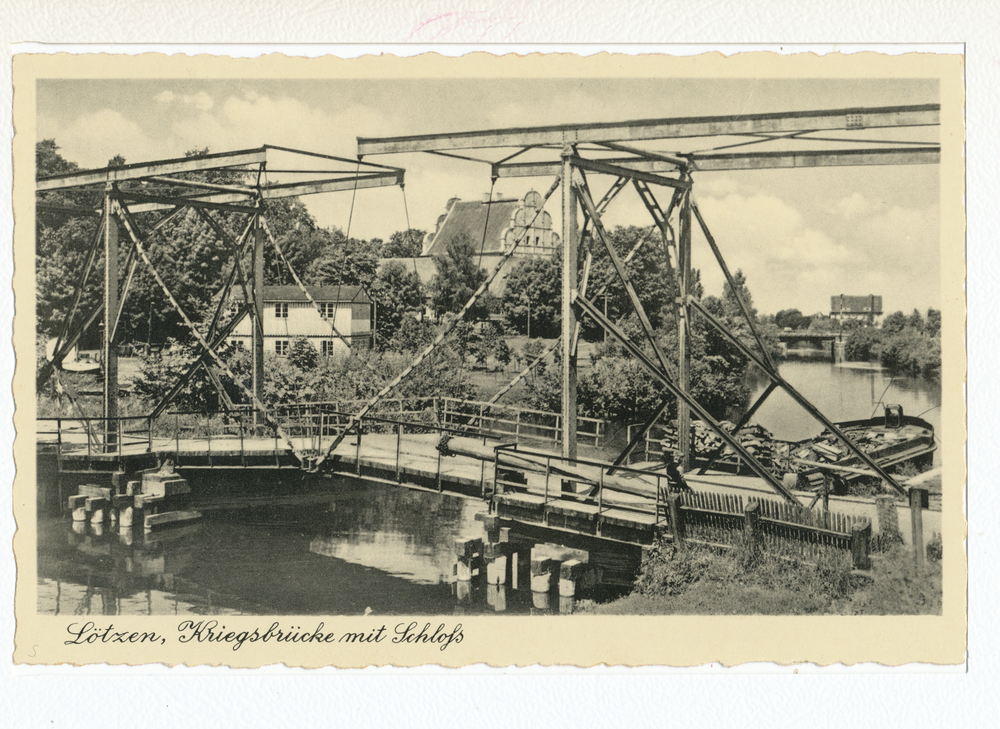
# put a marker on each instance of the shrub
(302, 354)
(935, 548)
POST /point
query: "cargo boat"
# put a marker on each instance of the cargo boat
(891, 441)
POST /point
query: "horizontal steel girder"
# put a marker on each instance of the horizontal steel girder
(149, 169)
(645, 129)
(750, 161)
(294, 189)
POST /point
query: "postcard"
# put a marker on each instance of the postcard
(507, 360)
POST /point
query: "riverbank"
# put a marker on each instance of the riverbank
(702, 581)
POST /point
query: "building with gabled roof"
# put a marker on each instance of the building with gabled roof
(866, 309)
(502, 220)
(289, 315)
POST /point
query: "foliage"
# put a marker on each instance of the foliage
(532, 350)
(487, 341)
(894, 323)
(413, 335)
(397, 294)
(932, 326)
(345, 263)
(533, 291)
(458, 277)
(302, 354)
(650, 273)
(619, 390)
(863, 345)
(404, 244)
(745, 582)
(935, 547)
(791, 319)
(158, 372)
(913, 353)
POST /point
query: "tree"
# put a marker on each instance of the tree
(730, 302)
(791, 319)
(649, 270)
(404, 244)
(863, 345)
(534, 291)
(345, 263)
(487, 341)
(458, 277)
(301, 241)
(894, 323)
(933, 326)
(915, 322)
(397, 293)
(302, 354)
(412, 336)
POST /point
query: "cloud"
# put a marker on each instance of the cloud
(201, 100)
(93, 139)
(852, 207)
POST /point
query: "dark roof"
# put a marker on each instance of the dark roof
(469, 219)
(319, 293)
(870, 304)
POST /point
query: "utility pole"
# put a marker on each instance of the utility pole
(684, 357)
(110, 355)
(258, 312)
(568, 311)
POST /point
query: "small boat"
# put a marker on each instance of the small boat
(891, 441)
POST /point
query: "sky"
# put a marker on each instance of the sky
(800, 236)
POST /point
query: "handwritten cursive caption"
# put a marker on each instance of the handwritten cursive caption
(212, 631)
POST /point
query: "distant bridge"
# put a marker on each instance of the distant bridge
(835, 340)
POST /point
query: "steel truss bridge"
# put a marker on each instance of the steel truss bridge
(659, 158)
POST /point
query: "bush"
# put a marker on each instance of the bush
(935, 548)
(863, 345)
(302, 354)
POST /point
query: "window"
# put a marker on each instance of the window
(328, 309)
(281, 346)
(327, 347)
(281, 311)
(240, 344)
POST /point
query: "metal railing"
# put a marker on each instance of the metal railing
(569, 474)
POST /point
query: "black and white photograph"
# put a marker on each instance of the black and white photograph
(409, 351)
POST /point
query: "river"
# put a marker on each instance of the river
(347, 548)
(844, 392)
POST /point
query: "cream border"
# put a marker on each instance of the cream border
(525, 641)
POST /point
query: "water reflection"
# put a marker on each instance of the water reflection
(844, 393)
(339, 551)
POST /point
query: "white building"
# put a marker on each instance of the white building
(289, 315)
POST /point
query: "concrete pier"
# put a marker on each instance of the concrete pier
(469, 553)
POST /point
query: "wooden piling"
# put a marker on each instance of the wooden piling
(751, 525)
(676, 519)
(544, 572)
(861, 534)
(918, 497)
(469, 556)
(570, 573)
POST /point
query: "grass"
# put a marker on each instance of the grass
(699, 581)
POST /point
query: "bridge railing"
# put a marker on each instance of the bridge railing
(468, 416)
(309, 424)
(616, 490)
(720, 520)
(94, 435)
